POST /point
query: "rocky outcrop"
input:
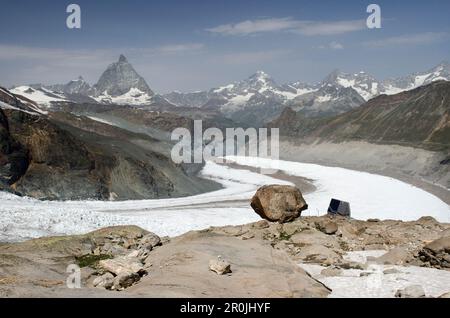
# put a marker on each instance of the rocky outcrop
(437, 253)
(264, 257)
(177, 268)
(277, 203)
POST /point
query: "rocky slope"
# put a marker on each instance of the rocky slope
(61, 155)
(418, 118)
(263, 258)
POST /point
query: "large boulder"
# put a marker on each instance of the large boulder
(278, 203)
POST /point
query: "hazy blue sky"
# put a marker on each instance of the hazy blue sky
(192, 45)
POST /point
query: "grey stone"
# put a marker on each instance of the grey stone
(413, 291)
(125, 280)
(104, 281)
(220, 266)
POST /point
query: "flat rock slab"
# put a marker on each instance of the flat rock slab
(180, 269)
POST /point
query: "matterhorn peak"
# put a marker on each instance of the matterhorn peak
(120, 78)
(261, 73)
(122, 59)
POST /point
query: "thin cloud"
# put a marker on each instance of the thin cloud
(331, 46)
(12, 52)
(312, 28)
(255, 26)
(179, 48)
(336, 46)
(309, 28)
(252, 57)
(409, 39)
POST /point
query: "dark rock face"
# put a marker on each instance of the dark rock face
(13, 156)
(277, 203)
(59, 166)
(437, 253)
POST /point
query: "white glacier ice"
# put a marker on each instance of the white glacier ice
(371, 196)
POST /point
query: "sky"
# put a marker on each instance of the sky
(191, 45)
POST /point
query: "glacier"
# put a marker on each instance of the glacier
(370, 196)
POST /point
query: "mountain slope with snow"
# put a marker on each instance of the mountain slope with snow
(397, 85)
(42, 95)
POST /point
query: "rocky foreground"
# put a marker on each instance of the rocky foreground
(253, 260)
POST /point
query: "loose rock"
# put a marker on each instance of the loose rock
(331, 272)
(125, 280)
(122, 265)
(327, 226)
(220, 266)
(104, 281)
(437, 253)
(414, 291)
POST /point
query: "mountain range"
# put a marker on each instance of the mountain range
(254, 101)
(259, 98)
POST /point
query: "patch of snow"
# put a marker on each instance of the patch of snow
(133, 97)
(392, 90)
(223, 88)
(346, 82)
(237, 102)
(420, 80)
(40, 96)
(100, 120)
(377, 284)
(299, 92)
(323, 99)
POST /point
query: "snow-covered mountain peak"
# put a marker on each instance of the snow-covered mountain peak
(119, 78)
(365, 84)
(260, 81)
(78, 79)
